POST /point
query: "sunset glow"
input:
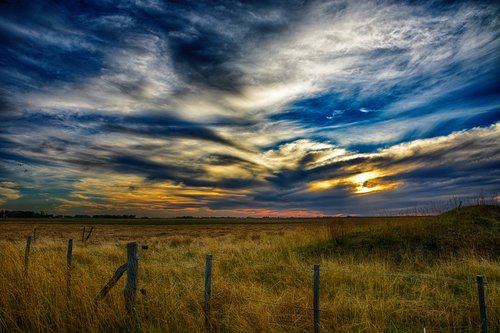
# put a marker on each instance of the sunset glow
(362, 183)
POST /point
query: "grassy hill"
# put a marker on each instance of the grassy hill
(472, 229)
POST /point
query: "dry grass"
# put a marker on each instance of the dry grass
(262, 282)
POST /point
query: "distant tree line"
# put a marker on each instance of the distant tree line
(42, 214)
(24, 214)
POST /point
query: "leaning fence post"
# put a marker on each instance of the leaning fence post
(482, 304)
(131, 285)
(316, 298)
(34, 235)
(208, 291)
(69, 263)
(90, 233)
(27, 254)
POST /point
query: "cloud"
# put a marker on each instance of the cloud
(8, 191)
(164, 127)
(365, 100)
(361, 183)
(114, 192)
(296, 213)
(453, 158)
(303, 154)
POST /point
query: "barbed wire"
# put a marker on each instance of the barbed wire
(322, 268)
(363, 298)
(270, 265)
(228, 258)
(399, 275)
(410, 276)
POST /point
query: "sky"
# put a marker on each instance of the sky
(257, 108)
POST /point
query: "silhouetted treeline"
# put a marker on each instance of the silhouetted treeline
(24, 214)
(102, 216)
(42, 214)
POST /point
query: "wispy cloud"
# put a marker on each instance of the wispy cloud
(8, 191)
(258, 101)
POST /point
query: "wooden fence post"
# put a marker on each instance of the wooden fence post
(27, 254)
(131, 285)
(208, 291)
(482, 304)
(316, 298)
(69, 264)
(111, 283)
(34, 235)
(83, 235)
(89, 233)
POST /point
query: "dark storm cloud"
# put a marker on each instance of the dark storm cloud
(164, 127)
(205, 48)
(203, 59)
(155, 126)
(289, 178)
(178, 174)
(133, 164)
(82, 152)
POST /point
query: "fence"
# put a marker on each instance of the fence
(131, 267)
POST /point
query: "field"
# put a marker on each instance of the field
(381, 274)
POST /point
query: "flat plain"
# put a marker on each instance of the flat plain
(380, 274)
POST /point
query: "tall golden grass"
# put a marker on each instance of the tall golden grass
(261, 283)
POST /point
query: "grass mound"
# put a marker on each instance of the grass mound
(472, 229)
(479, 214)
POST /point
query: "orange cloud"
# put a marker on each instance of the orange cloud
(259, 212)
(361, 183)
(122, 192)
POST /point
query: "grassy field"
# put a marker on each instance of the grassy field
(400, 274)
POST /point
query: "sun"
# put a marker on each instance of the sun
(361, 183)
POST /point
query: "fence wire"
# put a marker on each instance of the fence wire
(161, 262)
(227, 259)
